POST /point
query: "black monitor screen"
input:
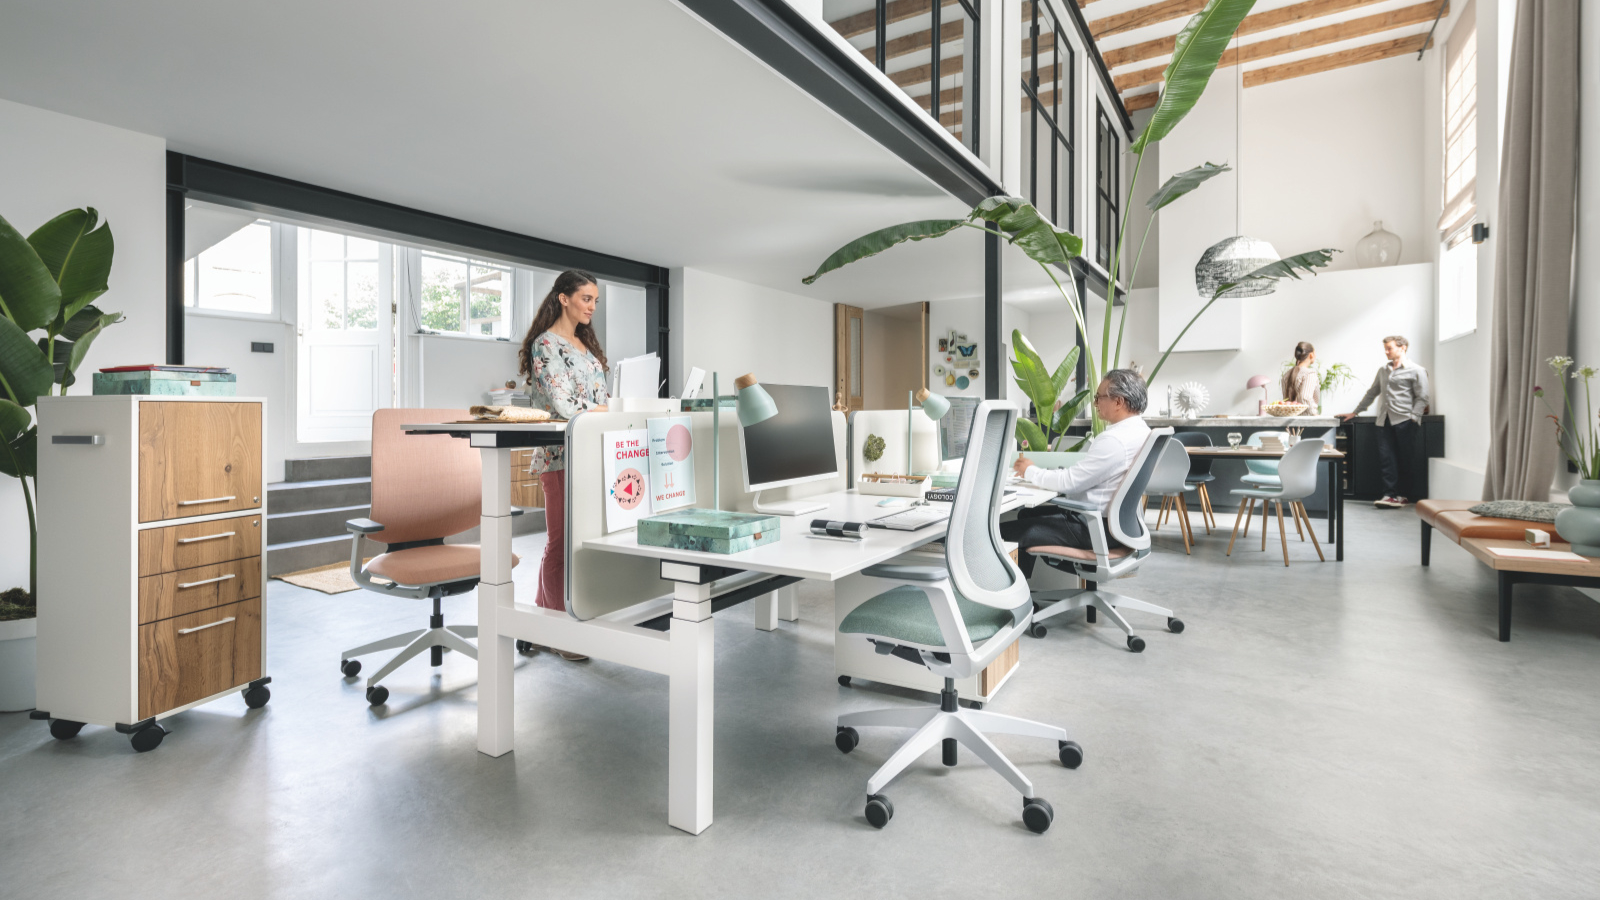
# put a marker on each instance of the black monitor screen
(794, 444)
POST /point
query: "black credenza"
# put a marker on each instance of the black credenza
(1359, 439)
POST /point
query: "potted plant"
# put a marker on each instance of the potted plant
(1580, 524)
(1329, 379)
(1043, 435)
(48, 282)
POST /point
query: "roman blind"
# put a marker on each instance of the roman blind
(1460, 127)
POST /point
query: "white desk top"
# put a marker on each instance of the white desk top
(801, 555)
(486, 427)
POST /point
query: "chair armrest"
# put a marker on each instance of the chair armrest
(906, 573)
(1077, 506)
(362, 526)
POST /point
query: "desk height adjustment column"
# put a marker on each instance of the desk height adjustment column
(495, 652)
(690, 721)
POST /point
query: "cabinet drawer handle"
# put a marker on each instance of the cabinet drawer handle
(205, 626)
(207, 581)
(209, 537)
(207, 500)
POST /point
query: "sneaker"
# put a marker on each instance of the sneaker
(1404, 501)
(572, 657)
(1387, 501)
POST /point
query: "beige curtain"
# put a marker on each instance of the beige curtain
(1533, 247)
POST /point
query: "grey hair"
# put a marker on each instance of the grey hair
(1129, 386)
(1399, 340)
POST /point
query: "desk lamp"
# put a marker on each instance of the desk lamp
(752, 404)
(1260, 381)
(935, 406)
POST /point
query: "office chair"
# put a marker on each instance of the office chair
(1200, 477)
(1297, 477)
(955, 619)
(1169, 481)
(425, 488)
(1103, 564)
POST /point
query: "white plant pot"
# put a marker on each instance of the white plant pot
(17, 663)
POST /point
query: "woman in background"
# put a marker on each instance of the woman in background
(1300, 382)
(566, 370)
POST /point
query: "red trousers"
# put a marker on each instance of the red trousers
(553, 567)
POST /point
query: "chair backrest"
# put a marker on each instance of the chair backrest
(979, 565)
(1198, 465)
(1297, 471)
(1171, 472)
(423, 486)
(1255, 439)
(1127, 522)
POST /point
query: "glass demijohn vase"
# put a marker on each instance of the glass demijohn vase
(1379, 248)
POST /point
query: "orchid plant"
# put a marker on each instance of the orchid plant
(1581, 446)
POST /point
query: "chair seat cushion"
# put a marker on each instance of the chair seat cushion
(1200, 479)
(1263, 480)
(905, 614)
(437, 564)
(1076, 552)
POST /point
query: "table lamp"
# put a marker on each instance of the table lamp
(752, 404)
(1260, 381)
(934, 406)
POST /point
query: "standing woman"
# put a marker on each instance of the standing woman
(566, 370)
(1300, 382)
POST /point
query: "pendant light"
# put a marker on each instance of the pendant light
(1232, 258)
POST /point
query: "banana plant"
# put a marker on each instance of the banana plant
(48, 283)
(1043, 387)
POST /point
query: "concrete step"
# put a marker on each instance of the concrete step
(295, 556)
(285, 528)
(323, 468)
(327, 493)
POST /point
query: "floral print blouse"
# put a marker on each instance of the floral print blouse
(566, 380)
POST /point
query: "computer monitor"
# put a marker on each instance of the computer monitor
(793, 447)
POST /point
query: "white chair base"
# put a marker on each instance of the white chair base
(450, 637)
(1092, 600)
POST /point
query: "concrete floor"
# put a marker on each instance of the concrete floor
(1327, 730)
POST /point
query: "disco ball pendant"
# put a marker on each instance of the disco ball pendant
(1232, 259)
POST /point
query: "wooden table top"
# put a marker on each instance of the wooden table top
(1479, 547)
(1254, 453)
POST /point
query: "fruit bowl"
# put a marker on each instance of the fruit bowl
(1285, 408)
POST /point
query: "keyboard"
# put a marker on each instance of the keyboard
(911, 519)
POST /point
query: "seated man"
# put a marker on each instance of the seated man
(1120, 399)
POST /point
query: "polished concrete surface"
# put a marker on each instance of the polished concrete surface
(1326, 730)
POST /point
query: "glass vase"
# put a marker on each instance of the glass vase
(1378, 248)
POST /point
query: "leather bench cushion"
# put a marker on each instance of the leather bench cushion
(1458, 524)
(1429, 510)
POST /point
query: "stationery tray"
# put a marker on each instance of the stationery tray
(709, 530)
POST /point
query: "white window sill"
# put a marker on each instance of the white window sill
(1456, 337)
(268, 318)
(466, 337)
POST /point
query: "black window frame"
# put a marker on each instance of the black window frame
(972, 94)
(1107, 183)
(1063, 147)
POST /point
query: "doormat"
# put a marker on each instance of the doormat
(334, 579)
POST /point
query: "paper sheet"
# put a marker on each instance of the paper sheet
(637, 375)
(1534, 553)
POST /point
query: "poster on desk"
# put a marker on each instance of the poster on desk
(627, 477)
(671, 462)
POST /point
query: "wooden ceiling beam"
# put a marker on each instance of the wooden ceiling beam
(1290, 43)
(1165, 11)
(897, 11)
(1266, 21)
(1141, 101)
(917, 40)
(1340, 60)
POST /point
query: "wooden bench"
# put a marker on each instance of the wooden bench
(1455, 521)
(1512, 571)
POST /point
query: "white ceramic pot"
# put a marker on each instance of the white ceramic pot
(17, 664)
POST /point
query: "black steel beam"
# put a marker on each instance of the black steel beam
(992, 294)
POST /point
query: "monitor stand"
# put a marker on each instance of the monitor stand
(788, 507)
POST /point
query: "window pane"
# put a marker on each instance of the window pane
(489, 287)
(360, 248)
(235, 274)
(444, 282)
(188, 282)
(361, 309)
(327, 245)
(327, 294)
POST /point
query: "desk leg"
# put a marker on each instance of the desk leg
(789, 603)
(783, 603)
(1508, 581)
(690, 724)
(1336, 509)
(495, 592)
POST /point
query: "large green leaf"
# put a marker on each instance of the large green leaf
(881, 240)
(29, 295)
(1024, 226)
(1069, 411)
(14, 420)
(18, 441)
(1288, 267)
(24, 372)
(1184, 182)
(1032, 376)
(78, 255)
(81, 345)
(1031, 437)
(79, 325)
(1195, 55)
(1064, 372)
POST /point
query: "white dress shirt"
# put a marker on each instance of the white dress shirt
(1095, 477)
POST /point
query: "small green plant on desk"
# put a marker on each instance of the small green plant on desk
(872, 450)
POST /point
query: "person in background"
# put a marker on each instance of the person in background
(1300, 382)
(566, 370)
(1401, 389)
(1120, 400)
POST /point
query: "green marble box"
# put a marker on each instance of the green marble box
(709, 530)
(170, 384)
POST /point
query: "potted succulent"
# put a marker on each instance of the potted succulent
(48, 282)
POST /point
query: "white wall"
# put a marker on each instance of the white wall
(56, 163)
(222, 341)
(457, 371)
(1586, 330)
(733, 327)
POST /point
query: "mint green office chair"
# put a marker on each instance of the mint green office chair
(955, 619)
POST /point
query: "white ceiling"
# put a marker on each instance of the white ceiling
(624, 126)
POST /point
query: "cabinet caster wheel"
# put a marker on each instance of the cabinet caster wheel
(526, 648)
(1037, 631)
(974, 704)
(1175, 626)
(257, 697)
(844, 681)
(378, 695)
(879, 810)
(63, 730)
(1071, 754)
(846, 739)
(1037, 815)
(1135, 643)
(146, 739)
(1091, 615)
(350, 667)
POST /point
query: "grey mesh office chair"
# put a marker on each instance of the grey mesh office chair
(955, 619)
(1103, 564)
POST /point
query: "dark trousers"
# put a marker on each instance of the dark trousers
(1048, 526)
(1397, 455)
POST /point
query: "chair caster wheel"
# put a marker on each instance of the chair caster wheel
(63, 730)
(846, 739)
(1135, 643)
(350, 667)
(146, 739)
(378, 695)
(1071, 754)
(257, 697)
(1037, 631)
(844, 681)
(526, 648)
(1037, 814)
(1175, 626)
(879, 810)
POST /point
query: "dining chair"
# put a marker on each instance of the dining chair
(1297, 474)
(1169, 481)
(1200, 477)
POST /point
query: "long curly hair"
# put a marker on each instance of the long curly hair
(549, 313)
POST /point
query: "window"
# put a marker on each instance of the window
(465, 296)
(343, 280)
(234, 274)
(1458, 288)
(1049, 98)
(1460, 171)
(1107, 179)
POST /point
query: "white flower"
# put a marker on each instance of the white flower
(1587, 372)
(1559, 363)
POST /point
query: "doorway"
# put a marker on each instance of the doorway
(882, 354)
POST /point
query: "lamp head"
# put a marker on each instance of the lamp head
(934, 405)
(1258, 381)
(753, 403)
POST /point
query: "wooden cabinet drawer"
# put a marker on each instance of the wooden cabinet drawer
(527, 494)
(191, 590)
(198, 544)
(191, 657)
(198, 458)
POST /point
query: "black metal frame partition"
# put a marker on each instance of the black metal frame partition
(1065, 68)
(203, 179)
(1107, 186)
